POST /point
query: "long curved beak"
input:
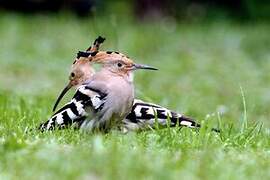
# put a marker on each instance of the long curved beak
(143, 66)
(64, 91)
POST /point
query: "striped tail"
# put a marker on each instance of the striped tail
(144, 115)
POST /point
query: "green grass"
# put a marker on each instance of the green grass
(215, 72)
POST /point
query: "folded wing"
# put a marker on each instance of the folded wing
(82, 106)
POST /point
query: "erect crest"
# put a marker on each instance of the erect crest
(95, 47)
(109, 56)
(92, 54)
(92, 50)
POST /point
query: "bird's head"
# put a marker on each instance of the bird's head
(117, 63)
(82, 68)
(80, 72)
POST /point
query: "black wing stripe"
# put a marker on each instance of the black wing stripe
(160, 114)
(70, 106)
(132, 115)
(79, 96)
(73, 108)
(66, 118)
(145, 115)
(102, 95)
(51, 124)
(147, 105)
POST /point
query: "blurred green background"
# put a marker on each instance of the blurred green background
(207, 51)
(203, 59)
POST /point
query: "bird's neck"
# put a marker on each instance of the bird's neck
(128, 76)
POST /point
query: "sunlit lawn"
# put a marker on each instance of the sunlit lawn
(203, 68)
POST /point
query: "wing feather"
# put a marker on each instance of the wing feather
(76, 109)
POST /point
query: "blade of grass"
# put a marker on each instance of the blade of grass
(244, 120)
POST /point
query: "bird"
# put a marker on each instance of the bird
(143, 115)
(111, 90)
(81, 70)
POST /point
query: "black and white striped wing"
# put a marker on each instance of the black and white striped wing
(145, 114)
(85, 101)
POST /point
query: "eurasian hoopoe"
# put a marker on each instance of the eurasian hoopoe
(110, 90)
(81, 70)
(142, 116)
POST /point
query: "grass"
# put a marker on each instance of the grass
(215, 72)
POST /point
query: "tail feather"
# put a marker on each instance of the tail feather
(147, 114)
(191, 123)
(142, 116)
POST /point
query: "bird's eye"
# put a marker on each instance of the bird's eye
(72, 74)
(119, 64)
